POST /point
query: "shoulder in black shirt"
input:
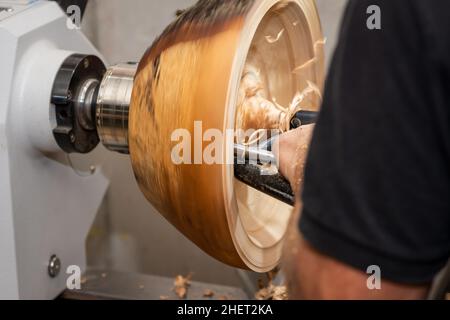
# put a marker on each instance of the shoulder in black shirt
(377, 181)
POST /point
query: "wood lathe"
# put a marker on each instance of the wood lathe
(231, 65)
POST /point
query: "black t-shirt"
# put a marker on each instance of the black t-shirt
(377, 181)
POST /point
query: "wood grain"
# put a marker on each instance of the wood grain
(193, 72)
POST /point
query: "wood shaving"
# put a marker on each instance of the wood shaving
(223, 297)
(256, 112)
(163, 297)
(306, 65)
(272, 39)
(208, 293)
(181, 285)
(321, 42)
(272, 293)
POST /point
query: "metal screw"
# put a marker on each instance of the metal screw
(54, 266)
(86, 63)
(72, 137)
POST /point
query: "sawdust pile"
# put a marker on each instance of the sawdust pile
(271, 291)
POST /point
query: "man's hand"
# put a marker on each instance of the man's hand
(292, 151)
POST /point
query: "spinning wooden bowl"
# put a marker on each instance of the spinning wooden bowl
(194, 72)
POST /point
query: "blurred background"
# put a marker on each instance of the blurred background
(129, 235)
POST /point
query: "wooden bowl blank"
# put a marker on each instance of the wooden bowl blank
(195, 72)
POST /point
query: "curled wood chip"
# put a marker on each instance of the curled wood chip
(208, 293)
(319, 45)
(256, 111)
(272, 39)
(181, 285)
(305, 65)
(279, 293)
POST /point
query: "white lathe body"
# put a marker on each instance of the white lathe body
(46, 209)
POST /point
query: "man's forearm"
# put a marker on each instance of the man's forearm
(317, 276)
(311, 275)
